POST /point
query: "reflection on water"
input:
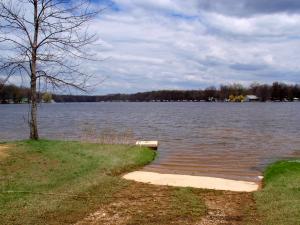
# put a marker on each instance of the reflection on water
(216, 139)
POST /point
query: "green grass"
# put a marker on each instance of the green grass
(61, 182)
(187, 202)
(279, 201)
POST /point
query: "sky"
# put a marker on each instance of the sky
(193, 44)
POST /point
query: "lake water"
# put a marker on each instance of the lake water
(215, 139)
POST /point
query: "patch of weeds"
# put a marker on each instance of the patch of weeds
(186, 202)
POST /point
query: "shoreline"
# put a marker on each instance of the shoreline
(202, 182)
(86, 179)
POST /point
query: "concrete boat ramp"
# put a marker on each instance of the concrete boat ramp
(177, 180)
(192, 181)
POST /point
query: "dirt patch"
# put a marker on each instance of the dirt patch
(137, 204)
(230, 208)
(4, 151)
(148, 204)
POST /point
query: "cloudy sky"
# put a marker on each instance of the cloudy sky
(176, 44)
(191, 44)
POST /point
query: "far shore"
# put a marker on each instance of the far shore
(155, 101)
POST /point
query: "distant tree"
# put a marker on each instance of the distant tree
(231, 98)
(210, 93)
(264, 92)
(296, 91)
(41, 39)
(275, 91)
(254, 88)
(279, 91)
(16, 95)
(2, 83)
(224, 92)
(47, 97)
(240, 98)
(237, 89)
(289, 91)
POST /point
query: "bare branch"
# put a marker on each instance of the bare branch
(46, 40)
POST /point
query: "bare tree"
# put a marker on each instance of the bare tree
(45, 41)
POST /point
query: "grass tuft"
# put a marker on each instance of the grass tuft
(186, 202)
(279, 202)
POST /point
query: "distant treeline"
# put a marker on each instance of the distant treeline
(13, 94)
(275, 92)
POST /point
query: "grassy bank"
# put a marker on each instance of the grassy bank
(279, 202)
(58, 182)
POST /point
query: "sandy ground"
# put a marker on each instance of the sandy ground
(192, 181)
(3, 151)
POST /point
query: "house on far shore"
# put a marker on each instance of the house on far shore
(251, 98)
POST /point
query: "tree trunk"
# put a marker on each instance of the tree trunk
(33, 121)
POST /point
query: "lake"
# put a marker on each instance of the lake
(230, 140)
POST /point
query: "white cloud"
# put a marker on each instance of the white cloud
(167, 44)
(157, 6)
(271, 25)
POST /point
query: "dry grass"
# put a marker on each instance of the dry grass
(140, 203)
(107, 135)
(152, 205)
(4, 151)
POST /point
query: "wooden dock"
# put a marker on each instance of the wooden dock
(150, 144)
